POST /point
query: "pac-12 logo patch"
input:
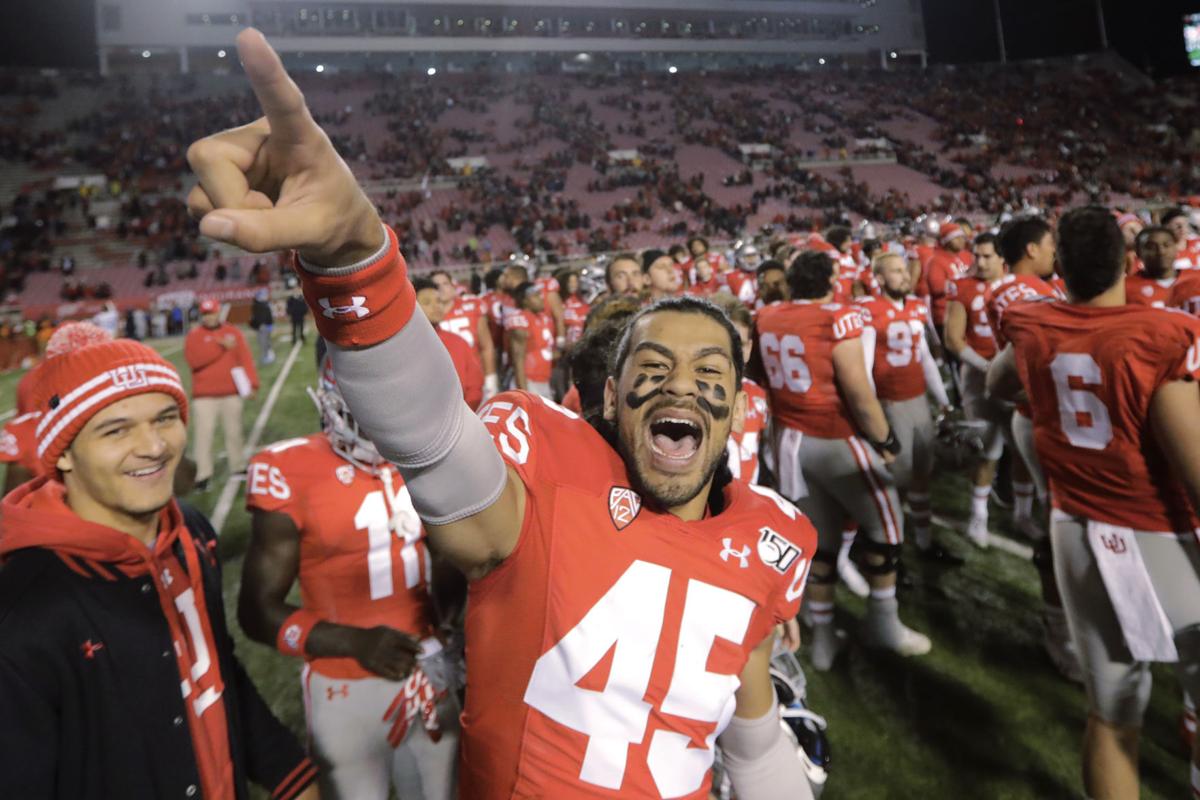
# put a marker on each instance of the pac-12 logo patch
(775, 551)
(623, 506)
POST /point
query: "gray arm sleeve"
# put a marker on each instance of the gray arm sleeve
(763, 763)
(405, 395)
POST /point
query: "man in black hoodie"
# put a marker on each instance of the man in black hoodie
(117, 674)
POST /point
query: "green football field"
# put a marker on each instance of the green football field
(984, 715)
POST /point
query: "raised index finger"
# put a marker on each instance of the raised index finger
(277, 93)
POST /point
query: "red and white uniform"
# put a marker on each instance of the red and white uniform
(607, 647)
(363, 557)
(743, 285)
(744, 446)
(1182, 291)
(1090, 374)
(548, 285)
(575, 313)
(940, 269)
(467, 365)
(796, 341)
(18, 443)
(1189, 254)
(971, 292)
(899, 346)
(707, 288)
(539, 347)
(463, 319)
(497, 305)
(1004, 293)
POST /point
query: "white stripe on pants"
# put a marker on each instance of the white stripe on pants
(348, 738)
(204, 414)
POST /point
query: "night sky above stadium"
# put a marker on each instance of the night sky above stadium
(60, 32)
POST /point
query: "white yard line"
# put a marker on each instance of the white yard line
(230, 490)
(1001, 543)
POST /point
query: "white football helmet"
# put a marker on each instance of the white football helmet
(338, 423)
(748, 257)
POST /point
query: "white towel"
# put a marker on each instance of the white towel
(1148, 632)
(791, 477)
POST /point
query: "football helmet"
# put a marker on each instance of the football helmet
(959, 441)
(338, 423)
(805, 728)
(748, 257)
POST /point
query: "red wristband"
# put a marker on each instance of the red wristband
(293, 633)
(365, 307)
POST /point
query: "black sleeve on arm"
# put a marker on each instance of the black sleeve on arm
(274, 760)
(28, 736)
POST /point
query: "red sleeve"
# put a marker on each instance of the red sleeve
(525, 429)
(1184, 359)
(198, 353)
(938, 275)
(466, 364)
(847, 324)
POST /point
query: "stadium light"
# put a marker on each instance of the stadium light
(672, 69)
(320, 67)
(145, 54)
(894, 54)
(431, 71)
(220, 54)
(821, 61)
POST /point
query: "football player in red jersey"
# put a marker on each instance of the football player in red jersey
(1027, 245)
(772, 283)
(467, 317)
(465, 357)
(1160, 283)
(704, 280)
(1116, 413)
(745, 444)
(969, 337)
(903, 369)
(576, 549)
(575, 308)
(18, 449)
(831, 443)
(530, 341)
(948, 261)
(742, 281)
(1179, 223)
(328, 510)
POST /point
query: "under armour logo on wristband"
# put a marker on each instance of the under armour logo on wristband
(357, 307)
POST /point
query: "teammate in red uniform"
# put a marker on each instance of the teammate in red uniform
(745, 444)
(969, 337)
(575, 308)
(530, 341)
(329, 511)
(1160, 283)
(949, 261)
(1116, 413)
(821, 399)
(903, 369)
(465, 357)
(742, 281)
(576, 549)
(704, 281)
(1187, 243)
(467, 317)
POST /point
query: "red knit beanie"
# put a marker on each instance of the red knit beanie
(949, 231)
(75, 386)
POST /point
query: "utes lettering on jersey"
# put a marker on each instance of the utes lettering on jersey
(796, 340)
(559, 717)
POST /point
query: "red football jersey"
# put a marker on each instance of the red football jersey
(970, 293)
(936, 273)
(363, 558)
(1002, 294)
(899, 332)
(603, 654)
(743, 285)
(1185, 294)
(467, 365)
(796, 341)
(539, 347)
(548, 285)
(18, 443)
(575, 313)
(743, 447)
(463, 319)
(1090, 374)
(1189, 254)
